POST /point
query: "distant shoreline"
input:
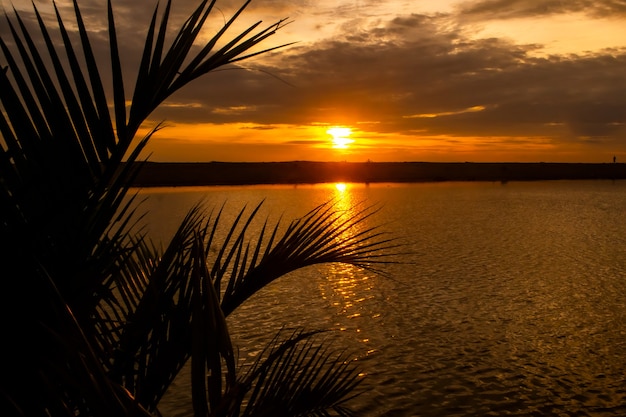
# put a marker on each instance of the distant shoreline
(163, 174)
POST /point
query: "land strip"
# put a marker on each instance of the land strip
(154, 174)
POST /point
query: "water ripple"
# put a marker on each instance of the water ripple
(512, 304)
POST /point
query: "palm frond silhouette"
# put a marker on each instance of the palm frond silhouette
(98, 322)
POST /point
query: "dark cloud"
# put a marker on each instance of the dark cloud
(507, 9)
(403, 72)
(410, 73)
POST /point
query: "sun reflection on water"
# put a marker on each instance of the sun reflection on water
(351, 293)
(343, 197)
(348, 290)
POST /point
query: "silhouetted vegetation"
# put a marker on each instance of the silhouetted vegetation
(309, 172)
(96, 320)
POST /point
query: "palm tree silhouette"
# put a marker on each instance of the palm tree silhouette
(98, 321)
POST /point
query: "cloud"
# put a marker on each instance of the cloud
(508, 9)
(391, 69)
(419, 65)
(472, 109)
(305, 142)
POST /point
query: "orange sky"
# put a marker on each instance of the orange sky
(475, 80)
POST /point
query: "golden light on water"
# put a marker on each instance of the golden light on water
(348, 289)
(340, 136)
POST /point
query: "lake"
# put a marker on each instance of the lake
(511, 301)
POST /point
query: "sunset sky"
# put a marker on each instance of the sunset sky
(431, 80)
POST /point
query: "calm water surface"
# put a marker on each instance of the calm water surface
(512, 302)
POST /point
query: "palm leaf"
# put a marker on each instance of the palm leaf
(167, 72)
(101, 398)
(98, 92)
(324, 235)
(210, 342)
(297, 376)
(154, 303)
(81, 109)
(119, 317)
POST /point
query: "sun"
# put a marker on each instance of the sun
(340, 137)
(341, 187)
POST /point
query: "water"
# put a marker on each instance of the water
(510, 303)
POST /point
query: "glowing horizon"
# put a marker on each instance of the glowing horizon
(456, 80)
